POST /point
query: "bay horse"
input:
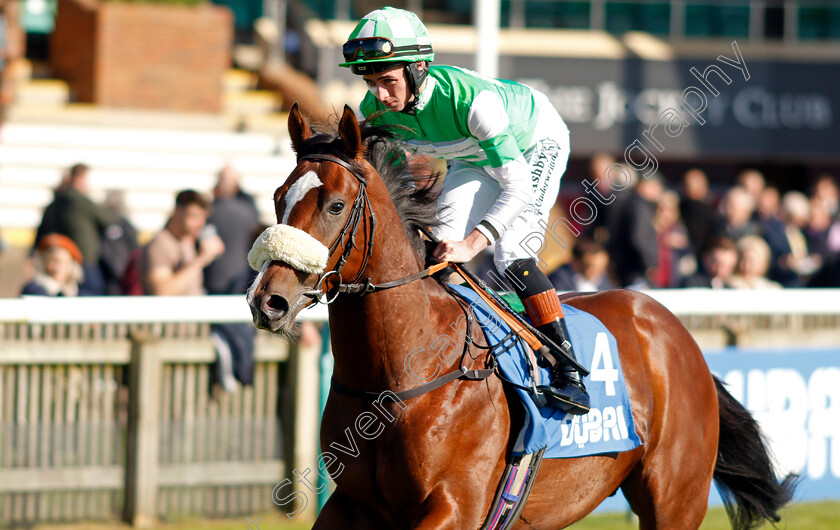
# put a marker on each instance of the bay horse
(438, 463)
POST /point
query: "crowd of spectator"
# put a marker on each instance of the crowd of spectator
(749, 236)
(201, 249)
(86, 249)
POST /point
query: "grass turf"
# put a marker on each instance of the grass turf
(813, 516)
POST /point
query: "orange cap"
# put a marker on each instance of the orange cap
(58, 240)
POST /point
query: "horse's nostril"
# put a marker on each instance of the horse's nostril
(277, 304)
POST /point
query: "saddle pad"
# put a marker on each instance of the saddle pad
(607, 428)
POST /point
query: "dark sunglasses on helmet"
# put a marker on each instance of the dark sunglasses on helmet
(369, 48)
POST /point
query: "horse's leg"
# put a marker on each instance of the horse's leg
(341, 512)
(669, 488)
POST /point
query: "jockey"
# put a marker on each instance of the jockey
(506, 149)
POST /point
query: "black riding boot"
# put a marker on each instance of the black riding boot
(566, 387)
(565, 391)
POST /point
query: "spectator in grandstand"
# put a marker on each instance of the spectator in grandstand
(753, 181)
(753, 264)
(823, 230)
(769, 206)
(816, 232)
(824, 197)
(826, 192)
(792, 262)
(74, 215)
(118, 243)
(235, 218)
(676, 260)
(718, 261)
(634, 250)
(58, 268)
(588, 270)
(736, 217)
(172, 263)
(607, 215)
(695, 210)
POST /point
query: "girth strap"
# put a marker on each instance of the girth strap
(405, 395)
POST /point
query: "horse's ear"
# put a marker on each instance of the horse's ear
(298, 129)
(351, 136)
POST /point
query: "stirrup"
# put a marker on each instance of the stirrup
(576, 404)
(566, 392)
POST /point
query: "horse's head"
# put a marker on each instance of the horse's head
(323, 225)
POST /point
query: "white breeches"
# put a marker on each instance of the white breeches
(469, 192)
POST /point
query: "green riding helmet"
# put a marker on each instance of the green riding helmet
(384, 38)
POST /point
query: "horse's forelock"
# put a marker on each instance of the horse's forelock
(414, 195)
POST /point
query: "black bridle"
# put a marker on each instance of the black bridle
(348, 232)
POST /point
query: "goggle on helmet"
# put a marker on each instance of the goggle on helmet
(385, 38)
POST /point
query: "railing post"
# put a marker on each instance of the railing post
(301, 409)
(141, 473)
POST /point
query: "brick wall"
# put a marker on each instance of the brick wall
(72, 46)
(150, 56)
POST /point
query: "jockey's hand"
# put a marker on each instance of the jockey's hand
(461, 251)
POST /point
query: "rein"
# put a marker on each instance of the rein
(461, 373)
(351, 227)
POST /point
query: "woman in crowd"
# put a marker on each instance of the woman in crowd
(58, 268)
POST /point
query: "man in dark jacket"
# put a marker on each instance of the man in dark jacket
(74, 215)
(633, 247)
(235, 218)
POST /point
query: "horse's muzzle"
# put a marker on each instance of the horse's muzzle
(269, 311)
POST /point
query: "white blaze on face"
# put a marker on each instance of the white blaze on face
(298, 191)
(253, 288)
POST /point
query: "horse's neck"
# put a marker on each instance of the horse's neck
(373, 335)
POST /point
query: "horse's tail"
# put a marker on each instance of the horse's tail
(744, 472)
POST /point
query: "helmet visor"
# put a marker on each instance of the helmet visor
(369, 48)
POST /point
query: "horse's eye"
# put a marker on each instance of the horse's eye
(336, 208)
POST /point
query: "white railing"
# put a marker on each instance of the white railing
(233, 308)
(135, 310)
(697, 302)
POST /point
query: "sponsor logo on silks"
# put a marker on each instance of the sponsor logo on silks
(596, 426)
(547, 152)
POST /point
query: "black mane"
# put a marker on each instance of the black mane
(414, 196)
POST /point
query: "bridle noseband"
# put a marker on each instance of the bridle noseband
(351, 227)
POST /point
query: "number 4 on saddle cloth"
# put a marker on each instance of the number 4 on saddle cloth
(607, 428)
(547, 432)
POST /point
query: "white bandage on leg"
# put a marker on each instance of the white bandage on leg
(290, 245)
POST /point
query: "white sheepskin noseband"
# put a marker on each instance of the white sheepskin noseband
(290, 245)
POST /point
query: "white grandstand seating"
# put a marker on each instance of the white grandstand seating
(148, 165)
